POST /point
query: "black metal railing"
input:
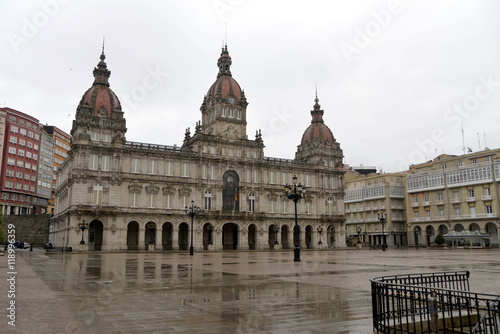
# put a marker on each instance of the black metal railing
(432, 303)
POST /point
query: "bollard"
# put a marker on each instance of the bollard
(433, 312)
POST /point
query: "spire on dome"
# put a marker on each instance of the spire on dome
(224, 62)
(101, 72)
(317, 112)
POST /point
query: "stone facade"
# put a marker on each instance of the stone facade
(133, 196)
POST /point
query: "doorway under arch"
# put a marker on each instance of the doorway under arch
(167, 236)
(330, 236)
(95, 235)
(252, 236)
(183, 236)
(285, 237)
(150, 234)
(133, 235)
(309, 241)
(230, 236)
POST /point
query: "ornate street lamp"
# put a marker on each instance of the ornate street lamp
(210, 229)
(151, 227)
(276, 230)
(382, 216)
(295, 193)
(192, 211)
(320, 232)
(358, 230)
(82, 226)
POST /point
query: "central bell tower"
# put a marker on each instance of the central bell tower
(224, 107)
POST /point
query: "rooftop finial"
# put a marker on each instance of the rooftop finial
(316, 99)
(103, 37)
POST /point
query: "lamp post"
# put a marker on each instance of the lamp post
(295, 192)
(192, 211)
(320, 232)
(276, 230)
(82, 226)
(358, 230)
(382, 216)
(151, 227)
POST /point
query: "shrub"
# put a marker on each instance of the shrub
(439, 239)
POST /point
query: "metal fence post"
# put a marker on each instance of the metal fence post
(433, 312)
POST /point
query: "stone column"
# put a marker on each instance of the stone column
(142, 232)
(243, 238)
(175, 238)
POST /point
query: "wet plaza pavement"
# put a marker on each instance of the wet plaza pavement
(217, 292)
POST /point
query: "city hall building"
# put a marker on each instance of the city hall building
(114, 194)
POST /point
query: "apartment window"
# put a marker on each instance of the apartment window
(35, 157)
(8, 184)
(470, 192)
(184, 169)
(251, 202)
(93, 162)
(207, 200)
(19, 175)
(97, 194)
(134, 199)
(416, 214)
(255, 176)
(427, 214)
(14, 129)
(135, 166)
(9, 173)
(440, 196)
(27, 165)
(106, 137)
(307, 180)
(272, 178)
(487, 192)
(272, 205)
(22, 142)
(152, 167)
(441, 213)
(94, 136)
(474, 161)
(457, 212)
(13, 140)
(284, 205)
(28, 155)
(308, 207)
(151, 200)
(415, 199)
(203, 171)
(12, 150)
(169, 168)
(248, 174)
(284, 176)
(455, 195)
(489, 209)
(20, 153)
(426, 198)
(167, 201)
(184, 201)
(105, 162)
(20, 163)
(11, 161)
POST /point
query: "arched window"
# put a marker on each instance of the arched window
(251, 202)
(207, 200)
(97, 194)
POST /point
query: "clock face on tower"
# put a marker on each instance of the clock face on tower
(231, 100)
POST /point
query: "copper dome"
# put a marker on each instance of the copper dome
(318, 131)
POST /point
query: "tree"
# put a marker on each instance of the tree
(439, 239)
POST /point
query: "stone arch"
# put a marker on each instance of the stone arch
(285, 237)
(208, 235)
(309, 237)
(330, 236)
(252, 236)
(133, 235)
(492, 230)
(442, 229)
(183, 236)
(458, 228)
(429, 234)
(474, 227)
(230, 236)
(150, 233)
(230, 191)
(95, 235)
(167, 234)
(417, 233)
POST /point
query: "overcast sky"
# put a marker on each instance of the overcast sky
(397, 79)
